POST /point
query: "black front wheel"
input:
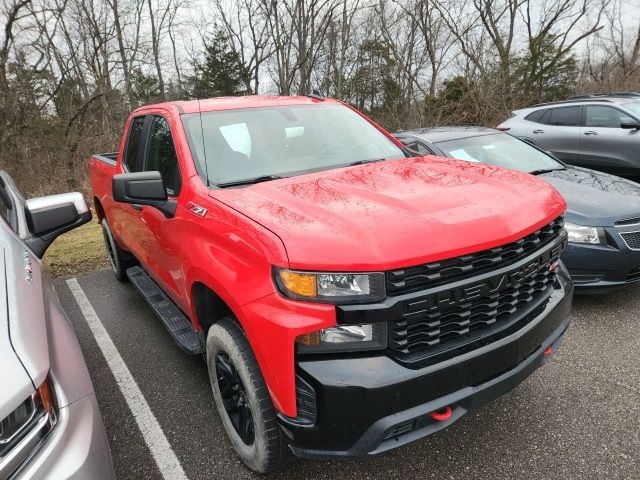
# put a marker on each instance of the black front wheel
(242, 399)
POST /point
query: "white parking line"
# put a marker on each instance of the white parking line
(161, 450)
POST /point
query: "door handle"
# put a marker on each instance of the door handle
(538, 131)
(135, 206)
(590, 132)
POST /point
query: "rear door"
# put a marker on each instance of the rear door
(606, 146)
(558, 131)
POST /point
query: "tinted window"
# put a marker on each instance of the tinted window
(565, 116)
(132, 159)
(4, 208)
(161, 155)
(535, 116)
(601, 116)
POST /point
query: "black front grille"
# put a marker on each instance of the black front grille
(450, 270)
(628, 221)
(632, 239)
(451, 319)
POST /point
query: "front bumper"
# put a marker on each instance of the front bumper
(76, 448)
(371, 404)
(599, 268)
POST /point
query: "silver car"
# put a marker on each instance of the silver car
(50, 424)
(595, 131)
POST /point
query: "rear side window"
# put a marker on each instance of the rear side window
(161, 155)
(132, 159)
(536, 116)
(4, 208)
(565, 116)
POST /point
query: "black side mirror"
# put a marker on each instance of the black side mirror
(630, 125)
(413, 148)
(49, 217)
(143, 188)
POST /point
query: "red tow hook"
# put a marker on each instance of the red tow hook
(548, 351)
(442, 415)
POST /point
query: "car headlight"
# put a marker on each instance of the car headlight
(22, 431)
(585, 234)
(344, 338)
(337, 288)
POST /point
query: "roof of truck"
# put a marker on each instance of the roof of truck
(228, 103)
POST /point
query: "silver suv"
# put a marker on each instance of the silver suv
(50, 424)
(596, 131)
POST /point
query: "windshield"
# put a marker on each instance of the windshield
(501, 150)
(236, 145)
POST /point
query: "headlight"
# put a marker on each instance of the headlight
(338, 288)
(22, 431)
(344, 338)
(584, 234)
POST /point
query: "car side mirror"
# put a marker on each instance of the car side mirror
(630, 125)
(413, 148)
(143, 188)
(51, 216)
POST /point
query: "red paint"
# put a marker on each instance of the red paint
(442, 415)
(370, 217)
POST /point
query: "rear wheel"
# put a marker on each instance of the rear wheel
(118, 258)
(242, 398)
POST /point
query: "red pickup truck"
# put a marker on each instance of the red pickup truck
(348, 298)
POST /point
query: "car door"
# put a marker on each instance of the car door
(606, 146)
(558, 131)
(158, 235)
(125, 218)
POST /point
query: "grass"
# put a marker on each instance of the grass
(77, 251)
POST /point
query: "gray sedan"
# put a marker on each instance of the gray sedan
(603, 211)
(50, 424)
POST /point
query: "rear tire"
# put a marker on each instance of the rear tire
(118, 258)
(242, 399)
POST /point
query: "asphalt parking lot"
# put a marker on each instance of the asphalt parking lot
(577, 417)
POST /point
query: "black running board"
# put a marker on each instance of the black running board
(173, 319)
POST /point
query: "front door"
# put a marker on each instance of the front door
(606, 146)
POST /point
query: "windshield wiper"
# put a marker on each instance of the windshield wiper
(362, 162)
(249, 181)
(545, 170)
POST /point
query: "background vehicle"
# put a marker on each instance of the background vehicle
(346, 297)
(50, 424)
(603, 211)
(595, 131)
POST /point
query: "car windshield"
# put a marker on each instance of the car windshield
(501, 150)
(257, 144)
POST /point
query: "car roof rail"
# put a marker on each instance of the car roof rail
(574, 100)
(628, 93)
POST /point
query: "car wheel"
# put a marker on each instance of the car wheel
(242, 399)
(118, 258)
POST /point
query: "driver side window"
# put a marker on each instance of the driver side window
(161, 155)
(606, 117)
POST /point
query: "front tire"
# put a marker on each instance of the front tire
(118, 258)
(242, 399)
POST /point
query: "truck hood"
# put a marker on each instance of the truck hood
(16, 383)
(595, 198)
(396, 213)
